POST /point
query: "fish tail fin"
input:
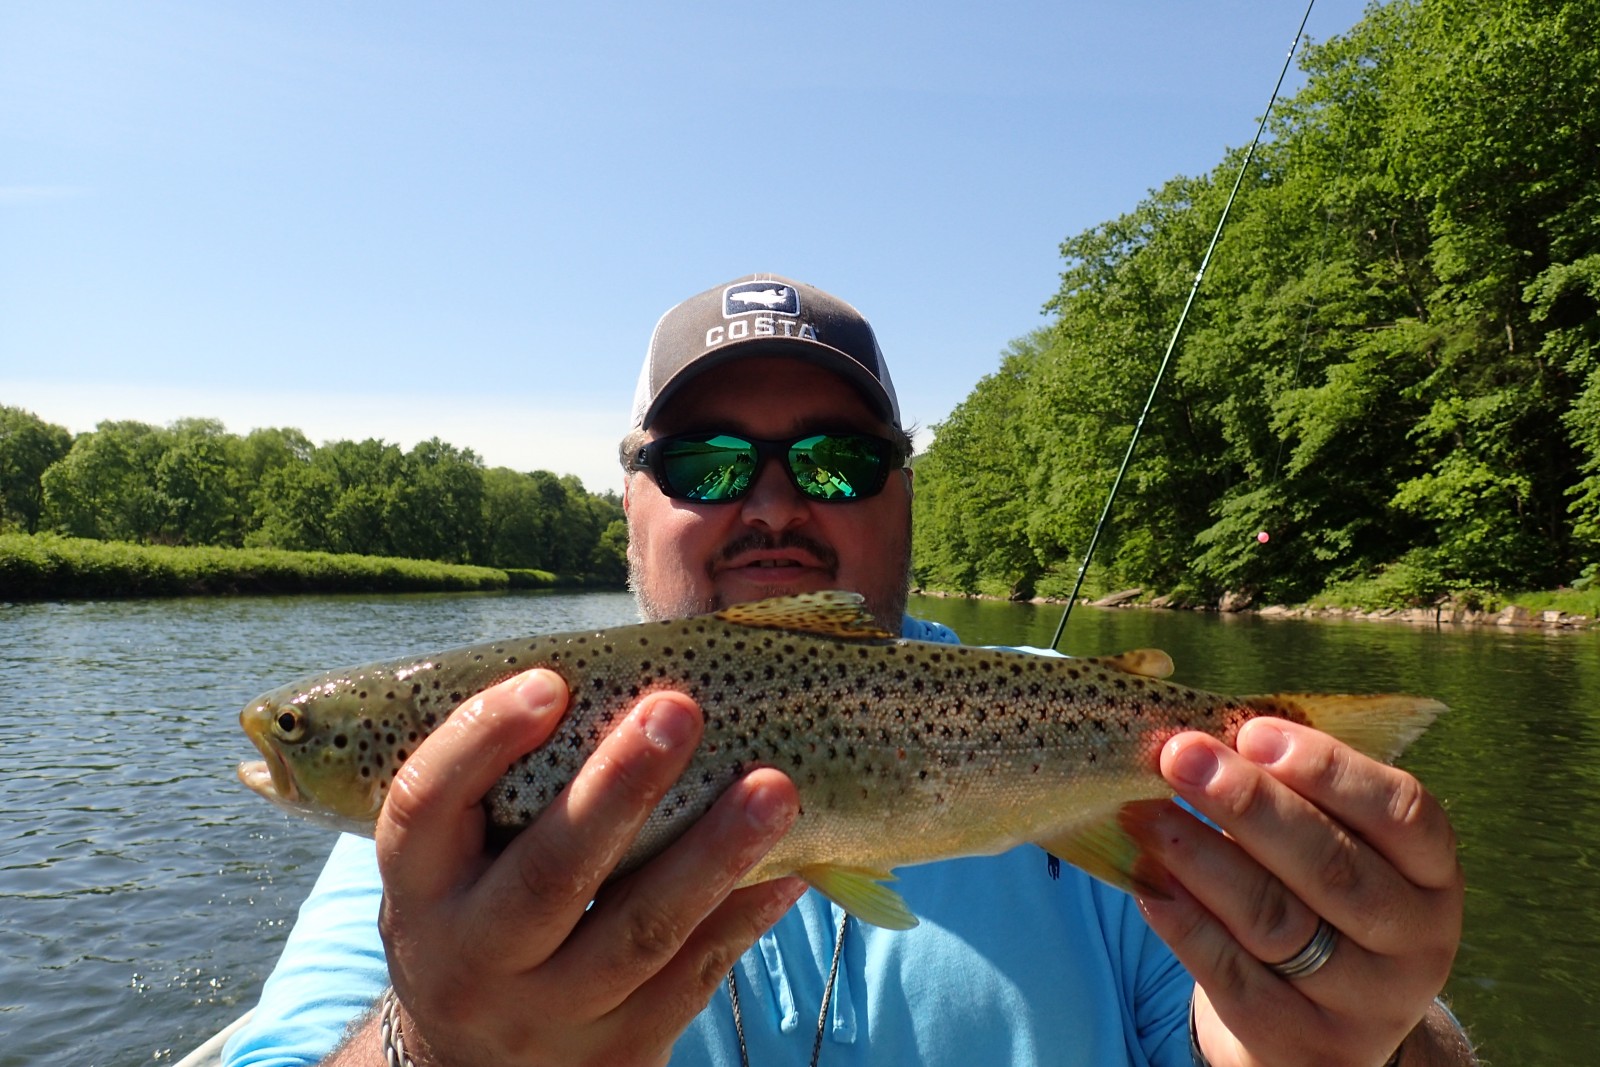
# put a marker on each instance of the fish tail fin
(1380, 726)
(1102, 846)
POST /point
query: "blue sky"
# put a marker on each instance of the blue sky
(406, 220)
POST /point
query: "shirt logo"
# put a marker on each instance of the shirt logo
(746, 297)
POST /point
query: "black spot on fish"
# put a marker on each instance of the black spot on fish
(340, 740)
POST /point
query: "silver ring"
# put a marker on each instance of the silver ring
(1310, 960)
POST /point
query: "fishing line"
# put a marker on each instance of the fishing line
(1172, 344)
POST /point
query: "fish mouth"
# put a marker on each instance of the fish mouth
(268, 777)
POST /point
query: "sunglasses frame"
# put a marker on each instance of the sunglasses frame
(649, 457)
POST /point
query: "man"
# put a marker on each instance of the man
(767, 458)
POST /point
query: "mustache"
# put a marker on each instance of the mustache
(755, 541)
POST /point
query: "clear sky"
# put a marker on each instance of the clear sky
(407, 220)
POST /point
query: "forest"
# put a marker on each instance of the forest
(194, 483)
(1389, 379)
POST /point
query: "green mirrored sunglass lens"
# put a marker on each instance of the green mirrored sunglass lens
(834, 468)
(716, 468)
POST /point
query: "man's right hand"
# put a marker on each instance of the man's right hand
(500, 959)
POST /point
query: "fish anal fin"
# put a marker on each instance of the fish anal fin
(1101, 846)
(1146, 662)
(832, 613)
(861, 892)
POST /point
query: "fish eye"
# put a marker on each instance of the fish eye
(290, 724)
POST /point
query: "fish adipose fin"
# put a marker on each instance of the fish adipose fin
(832, 613)
(1380, 726)
(1102, 847)
(861, 892)
(1146, 662)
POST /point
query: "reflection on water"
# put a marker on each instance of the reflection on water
(144, 892)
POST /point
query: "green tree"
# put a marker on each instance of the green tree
(106, 485)
(195, 483)
(28, 447)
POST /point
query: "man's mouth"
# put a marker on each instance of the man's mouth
(790, 551)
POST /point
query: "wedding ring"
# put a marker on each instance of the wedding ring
(1310, 960)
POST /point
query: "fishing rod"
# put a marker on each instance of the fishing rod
(1172, 344)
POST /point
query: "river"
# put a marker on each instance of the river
(144, 893)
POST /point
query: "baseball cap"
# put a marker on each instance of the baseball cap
(761, 315)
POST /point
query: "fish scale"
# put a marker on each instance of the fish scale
(902, 751)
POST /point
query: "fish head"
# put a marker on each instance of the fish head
(317, 762)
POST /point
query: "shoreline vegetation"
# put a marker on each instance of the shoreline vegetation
(52, 567)
(37, 567)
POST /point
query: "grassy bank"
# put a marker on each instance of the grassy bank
(46, 567)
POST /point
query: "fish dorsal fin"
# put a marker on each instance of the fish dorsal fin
(1147, 662)
(832, 613)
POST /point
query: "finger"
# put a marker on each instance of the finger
(1253, 906)
(1321, 862)
(430, 830)
(639, 925)
(1334, 1011)
(681, 990)
(543, 882)
(1387, 807)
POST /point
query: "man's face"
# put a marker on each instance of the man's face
(686, 558)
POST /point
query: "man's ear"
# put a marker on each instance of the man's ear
(910, 477)
(627, 480)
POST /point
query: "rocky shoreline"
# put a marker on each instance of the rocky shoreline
(1447, 612)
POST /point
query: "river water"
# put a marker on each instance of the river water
(144, 892)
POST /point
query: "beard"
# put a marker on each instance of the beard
(884, 593)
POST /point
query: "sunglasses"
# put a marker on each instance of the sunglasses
(718, 468)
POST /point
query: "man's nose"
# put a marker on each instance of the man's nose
(773, 501)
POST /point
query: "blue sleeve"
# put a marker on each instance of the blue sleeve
(331, 971)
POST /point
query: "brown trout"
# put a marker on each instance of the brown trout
(902, 751)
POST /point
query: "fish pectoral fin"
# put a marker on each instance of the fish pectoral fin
(1146, 662)
(861, 892)
(831, 613)
(1102, 847)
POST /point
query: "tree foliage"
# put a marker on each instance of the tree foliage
(193, 483)
(1392, 365)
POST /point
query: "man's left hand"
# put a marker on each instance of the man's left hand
(1313, 831)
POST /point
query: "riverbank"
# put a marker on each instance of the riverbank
(48, 567)
(1563, 609)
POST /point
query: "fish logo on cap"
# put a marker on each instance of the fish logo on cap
(747, 297)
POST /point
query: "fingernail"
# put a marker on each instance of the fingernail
(538, 691)
(668, 724)
(768, 808)
(1195, 765)
(1263, 742)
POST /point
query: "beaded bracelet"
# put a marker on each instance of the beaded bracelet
(394, 1046)
(1200, 1057)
